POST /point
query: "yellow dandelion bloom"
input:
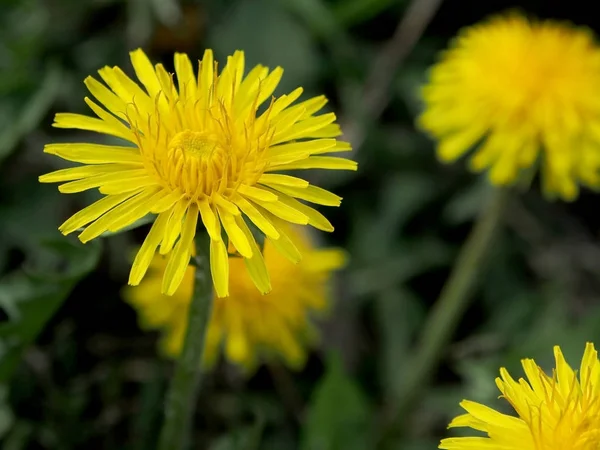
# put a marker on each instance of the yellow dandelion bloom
(247, 324)
(200, 149)
(561, 412)
(520, 92)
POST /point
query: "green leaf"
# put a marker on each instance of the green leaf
(144, 427)
(399, 314)
(6, 415)
(27, 119)
(319, 18)
(278, 41)
(338, 416)
(466, 204)
(31, 297)
(245, 437)
(168, 12)
(404, 261)
(352, 12)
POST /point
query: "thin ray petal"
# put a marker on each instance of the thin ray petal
(180, 258)
(235, 233)
(147, 251)
(93, 211)
(86, 153)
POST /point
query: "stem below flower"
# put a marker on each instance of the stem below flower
(449, 308)
(183, 390)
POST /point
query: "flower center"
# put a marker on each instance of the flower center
(196, 164)
(193, 143)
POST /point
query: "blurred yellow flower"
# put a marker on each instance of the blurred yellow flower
(521, 92)
(561, 412)
(248, 325)
(201, 149)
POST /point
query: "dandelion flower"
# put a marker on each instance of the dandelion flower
(202, 149)
(561, 412)
(247, 324)
(521, 93)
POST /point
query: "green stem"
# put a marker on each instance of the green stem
(183, 390)
(449, 307)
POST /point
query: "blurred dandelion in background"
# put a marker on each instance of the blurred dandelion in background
(560, 412)
(522, 93)
(202, 149)
(248, 325)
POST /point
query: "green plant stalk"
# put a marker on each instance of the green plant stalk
(450, 306)
(183, 390)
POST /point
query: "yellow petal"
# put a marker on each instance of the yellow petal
(120, 128)
(284, 180)
(315, 218)
(81, 122)
(105, 180)
(127, 185)
(318, 162)
(145, 72)
(257, 218)
(257, 194)
(76, 173)
(167, 202)
(304, 128)
(127, 90)
(219, 267)
(167, 87)
(226, 205)
(246, 95)
(138, 212)
(455, 145)
(328, 131)
(269, 84)
(589, 370)
(180, 258)
(285, 121)
(237, 347)
(210, 220)
(327, 260)
(236, 235)
(130, 206)
(173, 227)
(256, 264)
(282, 103)
(311, 193)
(313, 105)
(301, 148)
(146, 253)
(206, 79)
(284, 212)
(285, 245)
(491, 416)
(86, 153)
(114, 104)
(185, 75)
(565, 374)
(93, 211)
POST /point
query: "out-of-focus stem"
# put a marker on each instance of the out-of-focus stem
(183, 390)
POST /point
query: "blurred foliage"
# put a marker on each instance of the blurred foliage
(75, 370)
(339, 416)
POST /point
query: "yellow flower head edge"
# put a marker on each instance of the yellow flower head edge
(248, 327)
(522, 94)
(558, 412)
(198, 150)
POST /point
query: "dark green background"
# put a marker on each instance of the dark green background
(76, 371)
